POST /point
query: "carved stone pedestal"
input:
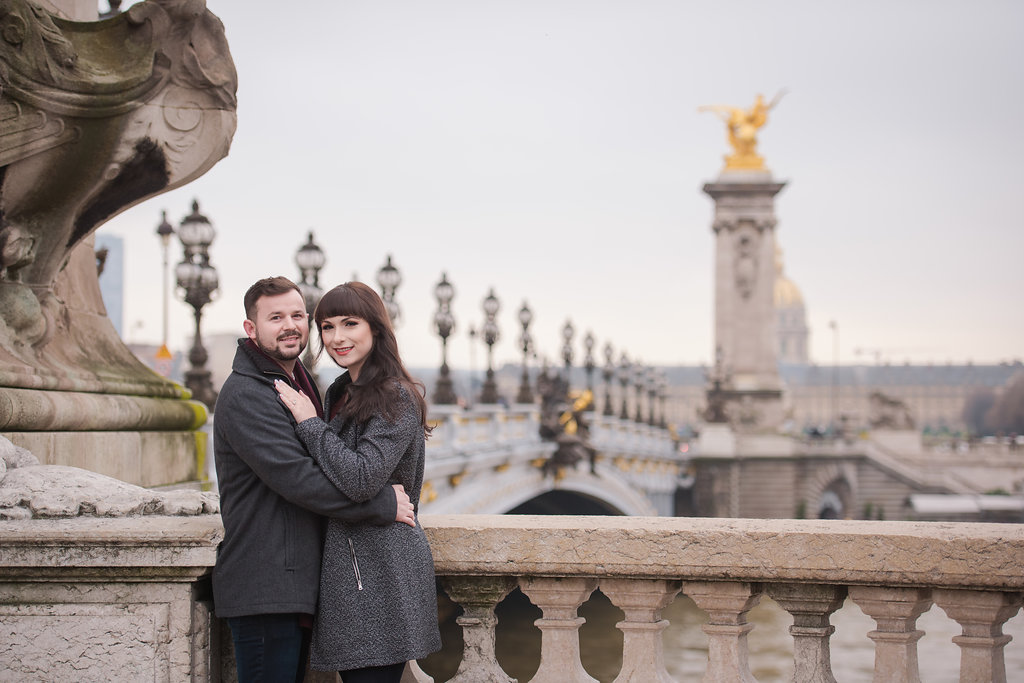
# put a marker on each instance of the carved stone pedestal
(96, 117)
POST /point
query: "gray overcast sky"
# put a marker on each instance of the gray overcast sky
(553, 150)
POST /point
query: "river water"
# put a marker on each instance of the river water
(685, 644)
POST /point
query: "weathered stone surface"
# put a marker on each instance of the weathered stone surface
(48, 491)
(818, 551)
(141, 458)
(109, 546)
(96, 117)
(98, 599)
(28, 410)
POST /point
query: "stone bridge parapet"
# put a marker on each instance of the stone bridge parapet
(81, 598)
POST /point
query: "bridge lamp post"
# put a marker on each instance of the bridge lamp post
(489, 393)
(624, 383)
(567, 334)
(198, 281)
(608, 372)
(588, 358)
(388, 278)
(652, 391)
(835, 378)
(525, 318)
(310, 259)
(662, 397)
(164, 232)
(445, 324)
(638, 384)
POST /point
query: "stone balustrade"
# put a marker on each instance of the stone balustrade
(83, 597)
(893, 571)
(491, 458)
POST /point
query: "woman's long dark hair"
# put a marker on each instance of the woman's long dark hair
(377, 392)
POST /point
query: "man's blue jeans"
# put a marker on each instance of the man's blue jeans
(269, 648)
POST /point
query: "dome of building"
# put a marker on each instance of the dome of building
(786, 293)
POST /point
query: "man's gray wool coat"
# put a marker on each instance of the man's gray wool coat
(378, 599)
(272, 497)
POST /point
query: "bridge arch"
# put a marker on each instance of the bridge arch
(503, 492)
(832, 491)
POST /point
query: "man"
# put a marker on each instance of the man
(273, 497)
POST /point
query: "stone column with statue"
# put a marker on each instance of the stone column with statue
(95, 117)
(748, 394)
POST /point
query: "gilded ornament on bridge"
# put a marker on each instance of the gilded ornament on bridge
(742, 125)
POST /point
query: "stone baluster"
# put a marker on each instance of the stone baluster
(412, 674)
(981, 615)
(895, 611)
(478, 596)
(811, 606)
(726, 604)
(559, 599)
(642, 602)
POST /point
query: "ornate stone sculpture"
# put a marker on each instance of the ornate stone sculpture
(743, 125)
(888, 412)
(95, 117)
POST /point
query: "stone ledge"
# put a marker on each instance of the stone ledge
(164, 543)
(932, 554)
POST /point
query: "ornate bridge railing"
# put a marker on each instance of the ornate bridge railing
(893, 571)
(85, 596)
(491, 458)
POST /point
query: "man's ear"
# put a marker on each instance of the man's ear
(250, 328)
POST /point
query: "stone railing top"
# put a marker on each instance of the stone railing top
(29, 490)
(960, 555)
(117, 546)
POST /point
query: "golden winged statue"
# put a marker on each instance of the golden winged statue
(743, 125)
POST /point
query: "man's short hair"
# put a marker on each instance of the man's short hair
(268, 286)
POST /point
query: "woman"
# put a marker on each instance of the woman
(378, 601)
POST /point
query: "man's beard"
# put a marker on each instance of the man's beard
(276, 353)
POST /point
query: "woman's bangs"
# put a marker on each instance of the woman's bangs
(343, 301)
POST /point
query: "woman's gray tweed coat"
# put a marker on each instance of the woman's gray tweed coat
(378, 600)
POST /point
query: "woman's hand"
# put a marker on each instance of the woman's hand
(300, 405)
(404, 513)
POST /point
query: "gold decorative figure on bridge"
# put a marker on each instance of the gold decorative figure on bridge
(743, 125)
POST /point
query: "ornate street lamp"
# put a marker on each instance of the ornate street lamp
(388, 277)
(164, 232)
(567, 334)
(525, 317)
(489, 394)
(638, 384)
(310, 259)
(198, 281)
(624, 382)
(608, 372)
(588, 358)
(444, 394)
(662, 396)
(652, 391)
